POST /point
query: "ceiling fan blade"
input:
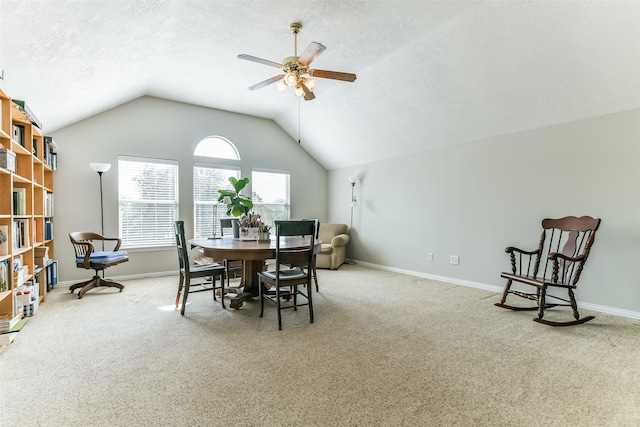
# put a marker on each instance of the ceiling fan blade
(266, 82)
(311, 53)
(308, 95)
(335, 75)
(259, 60)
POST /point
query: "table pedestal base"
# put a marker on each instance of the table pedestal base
(248, 283)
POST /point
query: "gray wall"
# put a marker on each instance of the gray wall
(473, 200)
(151, 127)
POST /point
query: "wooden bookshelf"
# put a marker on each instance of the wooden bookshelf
(26, 199)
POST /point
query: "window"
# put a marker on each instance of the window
(148, 199)
(270, 195)
(216, 147)
(207, 180)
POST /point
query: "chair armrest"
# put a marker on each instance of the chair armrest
(340, 240)
(114, 239)
(512, 249)
(87, 252)
(553, 256)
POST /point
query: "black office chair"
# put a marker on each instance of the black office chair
(282, 283)
(188, 272)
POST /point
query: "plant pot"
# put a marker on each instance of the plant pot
(236, 228)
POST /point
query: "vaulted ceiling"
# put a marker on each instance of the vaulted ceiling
(430, 74)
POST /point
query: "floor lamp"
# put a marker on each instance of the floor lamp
(215, 219)
(352, 180)
(101, 168)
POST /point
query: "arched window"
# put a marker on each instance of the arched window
(217, 147)
(209, 176)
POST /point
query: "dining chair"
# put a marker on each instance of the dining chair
(283, 283)
(187, 272)
(234, 267)
(313, 267)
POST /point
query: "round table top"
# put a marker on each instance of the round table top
(230, 248)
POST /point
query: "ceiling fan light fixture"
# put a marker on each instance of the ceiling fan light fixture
(299, 91)
(290, 79)
(310, 83)
(281, 86)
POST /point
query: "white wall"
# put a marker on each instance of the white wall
(473, 200)
(151, 127)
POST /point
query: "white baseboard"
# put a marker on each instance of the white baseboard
(498, 289)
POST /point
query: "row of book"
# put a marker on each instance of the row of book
(21, 233)
(48, 204)
(19, 201)
(20, 230)
(49, 155)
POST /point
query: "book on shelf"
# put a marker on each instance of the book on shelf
(8, 323)
(20, 233)
(52, 274)
(20, 201)
(18, 134)
(4, 241)
(49, 154)
(48, 229)
(4, 275)
(48, 204)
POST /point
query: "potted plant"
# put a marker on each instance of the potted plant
(237, 203)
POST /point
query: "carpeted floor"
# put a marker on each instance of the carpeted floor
(386, 349)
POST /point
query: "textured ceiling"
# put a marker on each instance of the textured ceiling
(430, 74)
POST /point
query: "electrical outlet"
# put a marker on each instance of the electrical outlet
(430, 256)
(453, 259)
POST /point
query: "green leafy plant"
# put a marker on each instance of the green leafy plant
(237, 204)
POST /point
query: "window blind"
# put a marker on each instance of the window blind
(148, 200)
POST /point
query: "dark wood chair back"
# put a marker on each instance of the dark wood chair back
(188, 271)
(557, 262)
(563, 249)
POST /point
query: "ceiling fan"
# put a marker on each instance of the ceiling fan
(295, 69)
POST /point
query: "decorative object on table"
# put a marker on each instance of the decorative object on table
(354, 202)
(101, 168)
(237, 203)
(295, 67)
(252, 227)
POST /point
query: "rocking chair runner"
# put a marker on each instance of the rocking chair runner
(564, 247)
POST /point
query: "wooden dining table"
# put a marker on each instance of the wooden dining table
(253, 254)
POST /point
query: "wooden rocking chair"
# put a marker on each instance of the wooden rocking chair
(564, 247)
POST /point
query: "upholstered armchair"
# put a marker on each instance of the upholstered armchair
(334, 239)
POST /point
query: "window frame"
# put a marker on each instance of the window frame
(162, 238)
(258, 206)
(220, 207)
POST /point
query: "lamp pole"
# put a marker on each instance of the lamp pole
(101, 168)
(350, 260)
(215, 217)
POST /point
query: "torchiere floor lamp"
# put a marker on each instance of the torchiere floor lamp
(101, 168)
(352, 180)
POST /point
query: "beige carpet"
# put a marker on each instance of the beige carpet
(386, 350)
